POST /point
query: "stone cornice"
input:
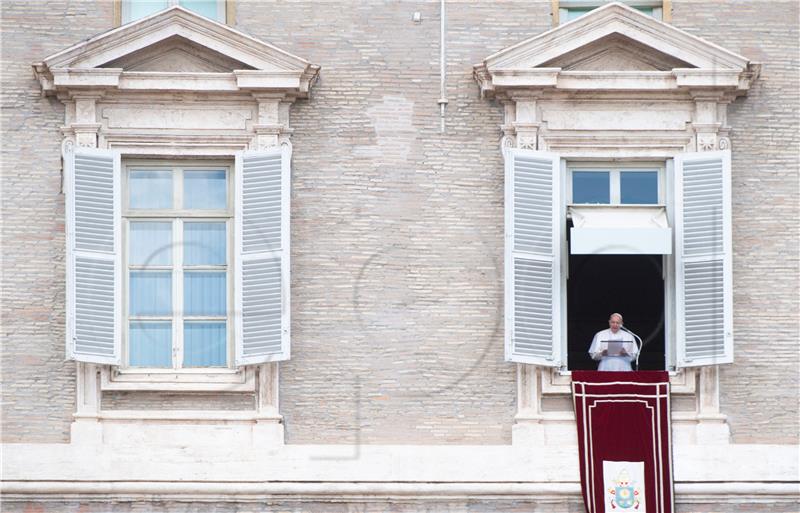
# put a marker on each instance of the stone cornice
(615, 18)
(264, 67)
(523, 67)
(176, 20)
(231, 469)
(731, 493)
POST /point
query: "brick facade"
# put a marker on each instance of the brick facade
(397, 246)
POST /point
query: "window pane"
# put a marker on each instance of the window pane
(150, 189)
(151, 293)
(140, 8)
(577, 12)
(205, 190)
(150, 344)
(204, 293)
(204, 344)
(150, 243)
(204, 244)
(590, 187)
(207, 8)
(639, 187)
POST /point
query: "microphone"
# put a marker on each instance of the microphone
(639, 344)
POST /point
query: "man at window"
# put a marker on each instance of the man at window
(615, 348)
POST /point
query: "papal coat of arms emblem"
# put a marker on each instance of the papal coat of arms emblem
(623, 492)
(625, 495)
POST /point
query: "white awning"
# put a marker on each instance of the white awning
(619, 230)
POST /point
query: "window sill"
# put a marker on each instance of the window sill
(558, 381)
(194, 380)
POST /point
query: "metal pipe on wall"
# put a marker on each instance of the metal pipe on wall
(442, 69)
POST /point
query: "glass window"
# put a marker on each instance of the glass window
(150, 243)
(615, 186)
(576, 12)
(572, 9)
(150, 189)
(178, 284)
(141, 8)
(204, 243)
(591, 187)
(150, 293)
(150, 344)
(205, 190)
(136, 9)
(204, 293)
(638, 187)
(208, 8)
(204, 344)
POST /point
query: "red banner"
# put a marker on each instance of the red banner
(624, 440)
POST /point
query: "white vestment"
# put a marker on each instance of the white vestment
(613, 363)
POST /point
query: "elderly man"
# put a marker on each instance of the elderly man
(615, 348)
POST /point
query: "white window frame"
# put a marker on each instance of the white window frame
(125, 10)
(615, 171)
(665, 200)
(564, 6)
(178, 217)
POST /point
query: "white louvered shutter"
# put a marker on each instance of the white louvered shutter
(262, 256)
(92, 192)
(532, 258)
(704, 296)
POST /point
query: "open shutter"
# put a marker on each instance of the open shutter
(92, 192)
(704, 297)
(532, 258)
(262, 256)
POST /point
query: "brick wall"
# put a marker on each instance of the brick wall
(38, 392)
(397, 244)
(397, 229)
(759, 391)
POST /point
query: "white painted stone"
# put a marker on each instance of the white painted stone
(171, 117)
(605, 116)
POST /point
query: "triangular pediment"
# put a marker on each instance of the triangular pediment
(612, 21)
(177, 54)
(180, 43)
(609, 40)
(616, 53)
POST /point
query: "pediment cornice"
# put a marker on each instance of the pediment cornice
(688, 63)
(261, 66)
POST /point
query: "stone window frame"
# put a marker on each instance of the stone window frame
(555, 96)
(241, 108)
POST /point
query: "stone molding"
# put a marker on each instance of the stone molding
(93, 426)
(233, 468)
(214, 380)
(728, 494)
(698, 80)
(263, 67)
(524, 65)
(113, 101)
